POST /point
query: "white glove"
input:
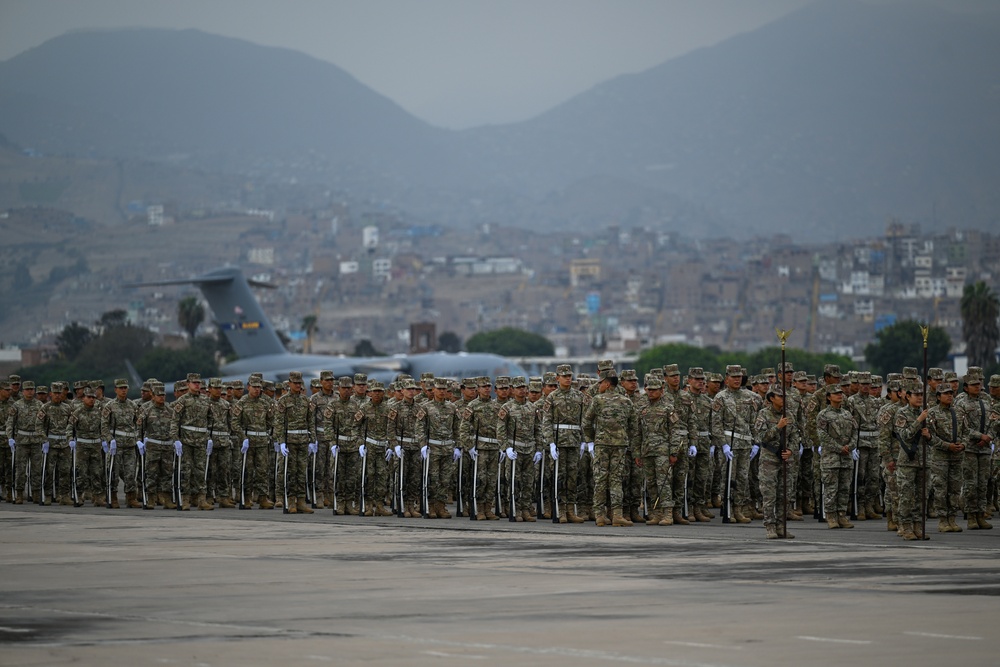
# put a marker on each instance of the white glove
(113, 446)
(284, 450)
(72, 445)
(473, 454)
(553, 451)
(178, 447)
(692, 451)
(711, 451)
(104, 446)
(142, 447)
(754, 451)
(363, 451)
(819, 450)
(11, 443)
(511, 454)
(334, 450)
(583, 448)
(423, 452)
(208, 449)
(388, 455)
(538, 457)
(590, 448)
(399, 452)
(245, 446)
(855, 454)
(727, 452)
(45, 447)
(313, 448)
(801, 449)
(277, 448)
(457, 454)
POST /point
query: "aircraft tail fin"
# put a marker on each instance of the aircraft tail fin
(237, 311)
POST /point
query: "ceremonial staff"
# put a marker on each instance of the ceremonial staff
(783, 434)
(924, 331)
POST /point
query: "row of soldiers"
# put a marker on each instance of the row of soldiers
(558, 446)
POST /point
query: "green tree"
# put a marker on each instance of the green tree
(449, 342)
(71, 341)
(310, 326)
(365, 348)
(980, 310)
(510, 342)
(104, 357)
(190, 314)
(169, 365)
(902, 344)
(712, 359)
(113, 319)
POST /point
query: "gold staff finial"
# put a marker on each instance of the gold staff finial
(924, 330)
(783, 335)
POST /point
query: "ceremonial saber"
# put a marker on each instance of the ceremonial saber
(243, 484)
(364, 473)
(513, 507)
(45, 464)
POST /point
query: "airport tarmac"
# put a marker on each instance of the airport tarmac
(130, 587)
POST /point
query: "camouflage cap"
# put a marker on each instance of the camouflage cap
(609, 374)
(831, 389)
(564, 369)
(832, 370)
(295, 376)
(79, 384)
(767, 371)
(5, 385)
(973, 379)
(327, 375)
(89, 391)
(484, 381)
(696, 373)
(715, 377)
(845, 381)
(236, 384)
(146, 385)
(549, 378)
(671, 370)
(787, 367)
(534, 378)
(375, 385)
(41, 389)
(894, 385)
(653, 382)
(97, 384)
(454, 387)
(315, 383)
(604, 364)
(403, 376)
(180, 385)
(995, 380)
(799, 376)
(13, 378)
(518, 381)
(469, 382)
(27, 384)
(441, 383)
(345, 382)
(876, 380)
(408, 384)
(863, 378)
(775, 389)
(194, 377)
(810, 377)
(950, 376)
(58, 385)
(158, 390)
(256, 375)
(535, 386)
(215, 383)
(502, 382)
(759, 379)
(629, 374)
(734, 370)
(913, 385)
(121, 382)
(909, 372)
(853, 376)
(269, 385)
(360, 378)
(426, 376)
(657, 371)
(255, 382)
(935, 373)
(975, 370)
(944, 388)
(894, 376)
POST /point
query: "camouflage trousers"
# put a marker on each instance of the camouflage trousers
(24, 462)
(59, 476)
(123, 468)
(680, 479)
(524, 481)
(817, 475)
(324, 469)
(946, 473)
(569, 468)
(194, 458)
(977, 473)
(908, 482)
(659, 482)
(868, 475)
(891, 490)
(275, 473)
(609, 468)
(793, 475)
(837, 475)
(90, 472)
(297, 463)
(741, 477)
(700, 470)
(6, 470)
(718, 465)
(220, 472)
(439, 473)
(584, 479)
(631, 483)
(772, 486)
(753, 483)
(486, 480)
(805, 482)
(348, 462)
(159, 471)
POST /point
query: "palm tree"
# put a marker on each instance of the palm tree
(310, 326)
(980, 309)
(190, 314)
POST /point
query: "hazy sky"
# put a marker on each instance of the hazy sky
(454, 63)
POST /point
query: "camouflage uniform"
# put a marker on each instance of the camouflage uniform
(772, 486)
(946, 465)
(888, 448)
(55, 417)
(442, 424)
(220, 463)
(734, 411)
(610, 422)
(407, 430)
(562, 412)
(835, 430)
(6, 465)
(519, 426)
(701, 432)
(864, 408)
(659, 442)
(84, 432)
(295, 427)
(118, 423)
(190, 426)
(340, 425)
(253, 423)
(910, 468)
(372, 421)
(154, 428)
(973, 422)
(24, 427)
(324, 464)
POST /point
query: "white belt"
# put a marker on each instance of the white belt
(220, 434)
(57, 437)
(196, 429)
(321, 429)
(373, 441)
(158, 442)
(409, 440)
(298, 432)
(27, 433)
(567, 427)
(87, 441)
(124, 434)
(739, 436)
(868, 434)
(518, 443)
(682, 431)
(258, 434)
(432, 441)
(346, 438)
(490, 441)
(704, 434)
